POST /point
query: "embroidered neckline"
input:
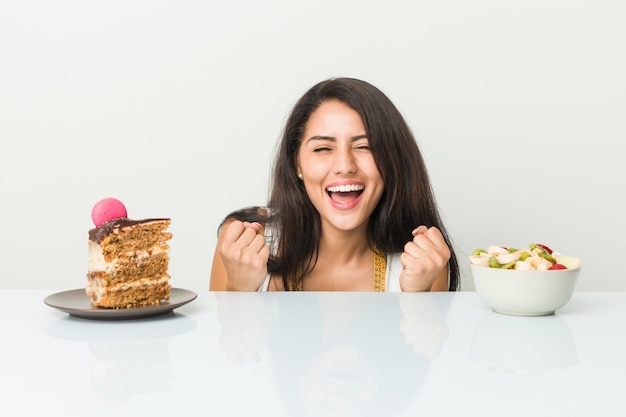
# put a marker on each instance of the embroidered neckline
(380, 271)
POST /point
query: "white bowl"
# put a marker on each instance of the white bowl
(524, 293)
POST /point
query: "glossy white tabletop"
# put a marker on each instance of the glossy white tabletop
(316, 354)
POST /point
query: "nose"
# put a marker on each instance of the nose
(344, 162)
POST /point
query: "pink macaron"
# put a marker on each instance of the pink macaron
(106, 210)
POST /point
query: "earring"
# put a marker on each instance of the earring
(300, 175)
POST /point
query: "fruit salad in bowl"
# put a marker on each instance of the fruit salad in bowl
(533, 281)
(538, 257)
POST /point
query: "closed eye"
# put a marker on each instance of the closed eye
(322, 149)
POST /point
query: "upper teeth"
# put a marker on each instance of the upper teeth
(345, 188)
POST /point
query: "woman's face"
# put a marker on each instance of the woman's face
(337, 167)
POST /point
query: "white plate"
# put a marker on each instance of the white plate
(78, 304)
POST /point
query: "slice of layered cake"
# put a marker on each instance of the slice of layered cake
(128, 259)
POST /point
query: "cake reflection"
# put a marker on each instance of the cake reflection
(122, 370)
(341, 354)
(128, 358)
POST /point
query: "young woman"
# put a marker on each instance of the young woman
(351, 207)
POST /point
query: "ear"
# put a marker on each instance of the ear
(296, 162)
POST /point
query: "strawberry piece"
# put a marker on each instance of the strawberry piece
(558, 266)
(547, 249)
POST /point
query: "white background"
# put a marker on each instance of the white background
(175, 107)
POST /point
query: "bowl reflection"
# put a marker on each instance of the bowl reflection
(522, 344)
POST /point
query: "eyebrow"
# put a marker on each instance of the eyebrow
(333, 139)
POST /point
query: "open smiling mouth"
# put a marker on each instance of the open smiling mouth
(345, 193)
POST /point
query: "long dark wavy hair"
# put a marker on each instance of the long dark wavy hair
(407, 200)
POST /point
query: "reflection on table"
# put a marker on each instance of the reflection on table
(523, 344)
(128, 358)
(337, 353)
(315, 354)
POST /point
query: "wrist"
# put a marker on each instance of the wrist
(412, 288)
(236, 286)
